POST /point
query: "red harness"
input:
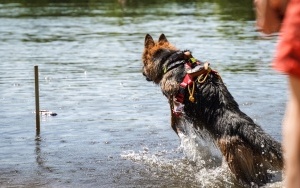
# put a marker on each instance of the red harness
(188, 80)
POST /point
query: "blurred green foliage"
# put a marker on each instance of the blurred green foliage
(228, 9)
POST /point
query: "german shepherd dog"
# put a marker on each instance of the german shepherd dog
(197, 94)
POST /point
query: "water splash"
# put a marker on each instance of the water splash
(199, 146)
(198, 162)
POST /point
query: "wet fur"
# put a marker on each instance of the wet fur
(248, 150)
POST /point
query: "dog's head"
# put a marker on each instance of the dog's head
(154, 52)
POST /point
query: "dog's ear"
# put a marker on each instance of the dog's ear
(149, 42)
(162, 39)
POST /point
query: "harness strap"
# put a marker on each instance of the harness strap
(193, 69)
(172, 66)
(173, 61)
(188, 80)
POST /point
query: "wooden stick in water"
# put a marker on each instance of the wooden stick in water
(37, 100)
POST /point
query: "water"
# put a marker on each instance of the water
(113, 127)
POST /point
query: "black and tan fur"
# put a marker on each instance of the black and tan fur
(248, 150)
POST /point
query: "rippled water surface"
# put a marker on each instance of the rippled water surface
(113, 127)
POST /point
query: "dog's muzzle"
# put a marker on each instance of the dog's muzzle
(147, 78)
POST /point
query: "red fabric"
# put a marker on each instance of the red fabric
(186, 81)
(287, 58)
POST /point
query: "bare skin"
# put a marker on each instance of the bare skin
(291, 135)
(269, 15)
(269, 18)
